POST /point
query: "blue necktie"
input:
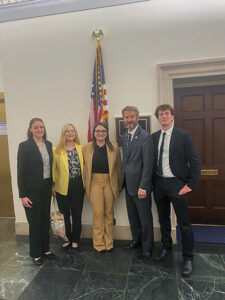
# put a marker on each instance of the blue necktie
(129, 139)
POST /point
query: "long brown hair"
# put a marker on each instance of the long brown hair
(62, 142)
(107, 140)
(30, 134)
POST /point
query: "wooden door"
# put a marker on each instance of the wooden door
(201, 111)
(6, 198)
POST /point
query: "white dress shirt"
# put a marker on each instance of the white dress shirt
(133, 132)
(165, 157)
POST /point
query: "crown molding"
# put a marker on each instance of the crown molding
(39, 8)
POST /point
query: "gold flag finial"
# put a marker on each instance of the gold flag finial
(98, 34)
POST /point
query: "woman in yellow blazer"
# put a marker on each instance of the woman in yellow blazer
(102, 182)
(68, 182)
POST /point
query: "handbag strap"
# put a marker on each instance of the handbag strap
(54, 206)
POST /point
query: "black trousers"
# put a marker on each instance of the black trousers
(38, 218)
(140, 218)
(166, 191)
(72, 205)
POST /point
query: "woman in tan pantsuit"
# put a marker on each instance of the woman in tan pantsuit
(102, 173)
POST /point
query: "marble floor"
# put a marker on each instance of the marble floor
(85, 274)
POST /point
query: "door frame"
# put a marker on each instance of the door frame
(167, 72)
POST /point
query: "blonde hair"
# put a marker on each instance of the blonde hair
(62, 142)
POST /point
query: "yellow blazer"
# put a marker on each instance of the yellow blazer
(60, 169)
(114, 160)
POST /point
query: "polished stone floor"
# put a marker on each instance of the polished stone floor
(85, 274)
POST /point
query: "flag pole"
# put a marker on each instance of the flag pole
(99, 102)
(98, 35)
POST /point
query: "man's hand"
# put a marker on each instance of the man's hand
(142, 194)
(185, 189)
(26, 202)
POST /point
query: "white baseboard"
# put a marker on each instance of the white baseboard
(22, 228)
(120, 232)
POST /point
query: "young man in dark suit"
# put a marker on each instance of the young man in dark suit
(137, 167)
(176, 172)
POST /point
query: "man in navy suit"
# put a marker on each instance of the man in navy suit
(137, 167)
(177, 171)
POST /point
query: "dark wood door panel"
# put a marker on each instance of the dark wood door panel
(218, 101)
(204, 216)
(218, 190)
(198, 136)
(192, 103)
(201, 111)
(198, 198)
(218, 132)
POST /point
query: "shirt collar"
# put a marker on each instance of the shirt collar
(169, 131)
(133, 131)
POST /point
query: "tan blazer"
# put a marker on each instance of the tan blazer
(114, 160)
(60, 169)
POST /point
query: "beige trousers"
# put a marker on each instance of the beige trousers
(102, 199)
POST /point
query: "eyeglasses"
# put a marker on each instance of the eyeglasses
(100, 131)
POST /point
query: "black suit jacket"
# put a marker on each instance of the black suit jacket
(137, 165)
(183, 156)
(30, 167)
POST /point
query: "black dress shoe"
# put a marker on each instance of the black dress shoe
(38, 262)
(162, 255)
(146, 257)
(146, 254)
(49, 256)
(187, 268)
(135, 245)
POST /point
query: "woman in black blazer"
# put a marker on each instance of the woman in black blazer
(34, 175)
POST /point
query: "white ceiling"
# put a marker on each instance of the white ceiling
(11, 10)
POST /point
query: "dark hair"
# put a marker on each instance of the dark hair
(107, 140)
(164, 107)
(29, 134)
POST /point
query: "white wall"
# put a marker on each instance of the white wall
(47, 65)
(1, 79)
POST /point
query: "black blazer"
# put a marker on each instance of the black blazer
(183, 156)
(30, 167)
(137, 165)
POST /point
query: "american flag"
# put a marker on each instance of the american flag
(99, 105)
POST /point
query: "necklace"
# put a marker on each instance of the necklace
(40, 145)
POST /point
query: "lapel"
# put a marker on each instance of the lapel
(124, 146)
(79, 152)
(172, 140)
(90, 157)
(49, 149)
(35, 149)
(65, 160)
(156, 144)
(110, 155)
(134, 141)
